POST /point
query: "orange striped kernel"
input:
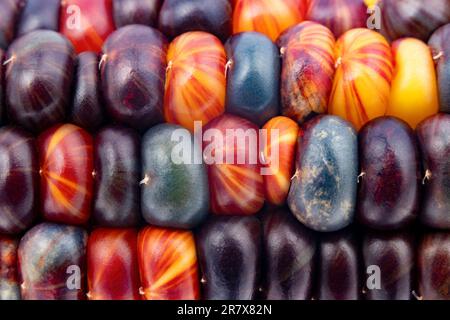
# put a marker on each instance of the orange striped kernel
(112, 265)
(66, 167)
(307, 70)
(278, 181)
(86, 23)
(363, 76)
(414, 94)
(236, 188)
(168, 264)
(195, 80)
(267, 16)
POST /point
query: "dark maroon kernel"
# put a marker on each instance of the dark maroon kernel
(39, 74)
(10, 10)
(390, 174)
(433, 135)
(136, 12)
(18, 180)
(412, 18)
(289, 251)
(229, 255)
(117, 175)
(133, 68)
(87, 110)
(180, 16)
(434, 267)
(338, 270)
(440, 46)
(394, 255)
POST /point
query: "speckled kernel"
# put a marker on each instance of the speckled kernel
(323, 189)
